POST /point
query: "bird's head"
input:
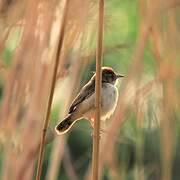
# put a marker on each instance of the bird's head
(109, 75)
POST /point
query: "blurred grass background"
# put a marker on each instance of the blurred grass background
(147, 145)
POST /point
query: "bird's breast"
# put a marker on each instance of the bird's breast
(109, 100)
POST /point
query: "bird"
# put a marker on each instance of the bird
(83, 106)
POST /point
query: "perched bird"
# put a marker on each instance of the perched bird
(83, 105)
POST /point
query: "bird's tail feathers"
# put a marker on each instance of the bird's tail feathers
(65, 125)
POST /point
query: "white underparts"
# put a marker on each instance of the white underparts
(109, 100)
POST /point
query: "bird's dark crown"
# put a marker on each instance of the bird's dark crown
(109, 75)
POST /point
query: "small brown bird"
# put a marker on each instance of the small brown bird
(83, 105)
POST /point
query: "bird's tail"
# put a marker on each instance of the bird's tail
(65, 125)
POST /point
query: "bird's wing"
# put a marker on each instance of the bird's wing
(85, 92)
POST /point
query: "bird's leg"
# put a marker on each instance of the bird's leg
(92, 126)
(102, 131)
(103, 126)
(92, 123)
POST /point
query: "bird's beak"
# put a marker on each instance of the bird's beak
(119, 76)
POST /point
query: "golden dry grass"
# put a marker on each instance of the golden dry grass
(27, 81)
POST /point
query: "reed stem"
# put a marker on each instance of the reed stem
(47, 117)
(99, 52)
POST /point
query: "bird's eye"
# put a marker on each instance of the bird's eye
(109, 75)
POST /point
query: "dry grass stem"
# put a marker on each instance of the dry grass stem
(96, 134)
(46, 121)
(48, 43)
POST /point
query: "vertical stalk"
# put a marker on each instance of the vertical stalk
(95, 167)
(55, 68)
